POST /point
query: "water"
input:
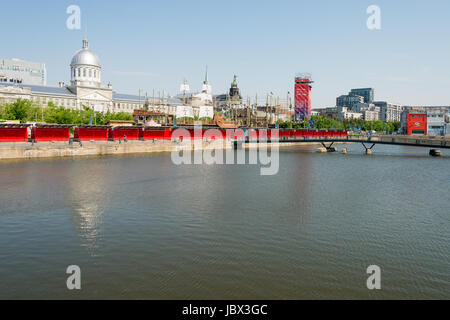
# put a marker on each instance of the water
(140, 227)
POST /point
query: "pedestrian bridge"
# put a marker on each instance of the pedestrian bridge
(367, 141)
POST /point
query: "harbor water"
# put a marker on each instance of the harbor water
(140, 227)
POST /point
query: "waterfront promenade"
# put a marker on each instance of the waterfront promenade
(26, 150)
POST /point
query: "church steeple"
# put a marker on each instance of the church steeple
(234, 90)
(206, 76)
(234, 84)
(206, 88)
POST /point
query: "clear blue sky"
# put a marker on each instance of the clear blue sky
(155, 44)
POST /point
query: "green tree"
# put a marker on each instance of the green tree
(284, 124)
(396, 125)
(21, 110)
(321, 122)
(58, 115)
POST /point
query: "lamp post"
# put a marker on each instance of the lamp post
(139, 98)
(271, 108)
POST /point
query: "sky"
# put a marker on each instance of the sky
(154, 45)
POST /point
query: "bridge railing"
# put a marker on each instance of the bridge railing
(397, 139)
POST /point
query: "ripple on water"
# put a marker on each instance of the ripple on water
(140, 227)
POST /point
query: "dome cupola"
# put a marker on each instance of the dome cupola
(85, 68)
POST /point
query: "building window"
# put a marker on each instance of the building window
(84, 72)
(79, 72)
(90, 73)
(95, 73)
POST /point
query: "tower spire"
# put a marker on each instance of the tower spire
(206, 88)
(85, 44)
(206, 76)
(234, 84)
(85, 40)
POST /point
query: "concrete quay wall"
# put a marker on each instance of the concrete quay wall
(47, 150)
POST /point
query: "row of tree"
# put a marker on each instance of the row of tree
(25, 111)
(320, 122)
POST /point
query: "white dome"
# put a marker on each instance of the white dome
(85, 68)
(85, 57)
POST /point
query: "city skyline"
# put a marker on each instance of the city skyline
(155, 46)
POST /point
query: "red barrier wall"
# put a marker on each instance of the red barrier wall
(214, 134)
(18, 134)
(284, 133)
(50, 134)
(156, 133)
(91, 133)
(159, 133)
(132, 133)
(12, 134)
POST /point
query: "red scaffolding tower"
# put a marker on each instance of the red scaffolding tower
(302, 95)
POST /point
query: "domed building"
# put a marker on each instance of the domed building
(85, 68)
(85, 89)
(86, 84)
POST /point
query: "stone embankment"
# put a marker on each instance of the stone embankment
(62, 149)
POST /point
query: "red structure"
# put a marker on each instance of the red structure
(150, 133)
(87, 133)
(13, 132)
(19, 132)
(50, 133)
(416, 124)
(302, 95)
(125, 132)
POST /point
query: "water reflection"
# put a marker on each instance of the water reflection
(88, 199)
(89, 221)
(297, 172)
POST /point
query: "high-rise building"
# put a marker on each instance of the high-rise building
(17, 71)
(344, 113)
(369, 111)
(366, 93)
(389, 111)
(349, 100)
